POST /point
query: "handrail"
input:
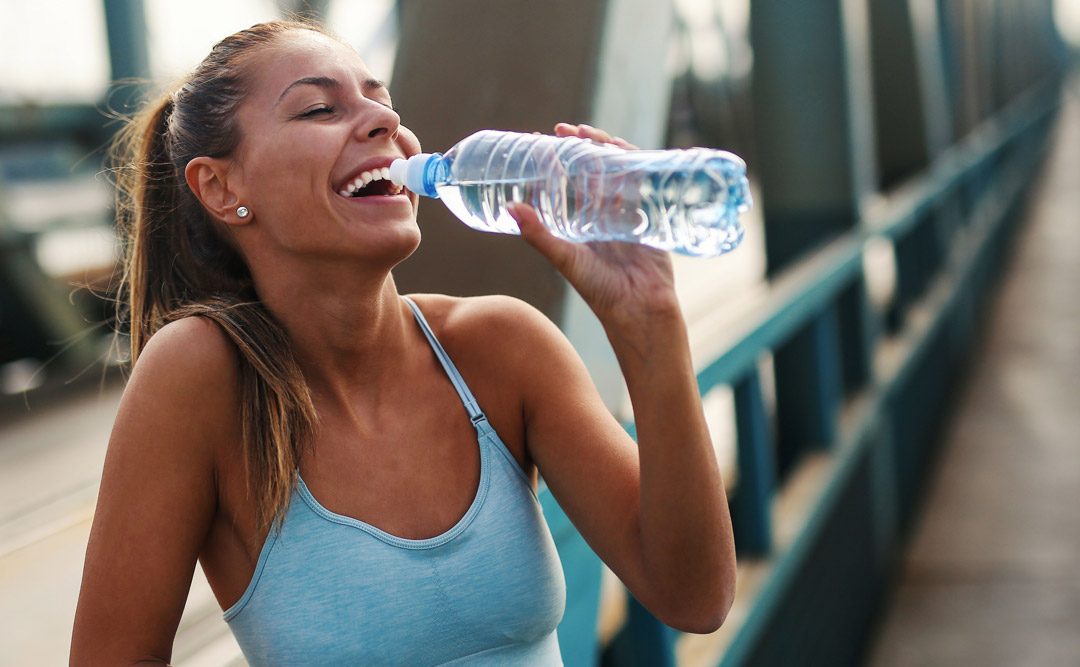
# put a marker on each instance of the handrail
(801, 291)
(803, 301)
(911, 199)
(873, 410)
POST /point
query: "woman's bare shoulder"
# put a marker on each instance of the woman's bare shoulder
(479, 316)
(159, 488)
(185, 376)
(497, 332)
(491, 323)
(193, 347)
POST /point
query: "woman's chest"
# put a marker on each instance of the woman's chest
(493, 580)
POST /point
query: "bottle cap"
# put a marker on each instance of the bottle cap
(411, 172)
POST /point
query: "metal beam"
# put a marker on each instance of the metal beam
(812, 128)
(465, 65)
(314, 10)
(129, 55)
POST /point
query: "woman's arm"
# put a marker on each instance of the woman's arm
(158, 496)
(656, 513)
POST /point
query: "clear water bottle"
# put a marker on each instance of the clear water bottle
(687, 201)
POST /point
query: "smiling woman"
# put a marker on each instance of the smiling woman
(356, 470)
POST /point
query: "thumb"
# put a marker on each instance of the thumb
(557, 251)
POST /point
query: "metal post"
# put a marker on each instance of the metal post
(464, 65)
(812, 127)
(129, 57)
(751, 506)
(901, 124)
(314, 10)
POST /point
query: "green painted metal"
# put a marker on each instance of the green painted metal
(950, 220)
(83, 123)
(803, 125)
(643, 641)
(870, 437)
(496, 67)
(808, 389)
(859, 328)
(903, 147)
(751, 502)
(315, 10)
(802, 292)
(129, 56)
(582, 568)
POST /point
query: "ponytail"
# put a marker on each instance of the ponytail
(147, 188)
(177, 263)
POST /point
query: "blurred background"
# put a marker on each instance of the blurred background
(888, 363)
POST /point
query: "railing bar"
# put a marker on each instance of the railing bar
(909, 201)
(752, 500)
(810, 289)
(990, 214)
(804, 292)
(856, 444)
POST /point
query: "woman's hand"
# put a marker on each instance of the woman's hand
(625, 284)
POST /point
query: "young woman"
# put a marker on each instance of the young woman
(356, 469)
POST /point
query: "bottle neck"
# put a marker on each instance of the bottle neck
(435, 172)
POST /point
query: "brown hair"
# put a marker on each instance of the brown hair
(177, 264)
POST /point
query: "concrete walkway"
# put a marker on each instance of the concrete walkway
(992, 575)
(50, 465)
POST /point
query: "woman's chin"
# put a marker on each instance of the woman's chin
(411, 243)
(393, 245)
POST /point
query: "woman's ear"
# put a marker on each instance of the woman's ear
(208, 179)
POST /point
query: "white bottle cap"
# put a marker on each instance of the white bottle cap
(410, 172)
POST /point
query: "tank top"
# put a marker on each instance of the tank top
(332, 590)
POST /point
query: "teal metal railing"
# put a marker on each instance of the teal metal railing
(940, 110)
(872, 397)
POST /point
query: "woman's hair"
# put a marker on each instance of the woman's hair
(177, 263)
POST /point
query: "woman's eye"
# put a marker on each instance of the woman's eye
(317, 111)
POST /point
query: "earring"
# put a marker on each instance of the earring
(242, 211)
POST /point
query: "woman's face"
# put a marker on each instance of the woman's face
(315, 125)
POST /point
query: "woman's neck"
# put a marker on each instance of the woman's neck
(347, 325)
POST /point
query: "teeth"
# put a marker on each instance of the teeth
(381, 174)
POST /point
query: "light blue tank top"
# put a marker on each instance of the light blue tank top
(331, 590)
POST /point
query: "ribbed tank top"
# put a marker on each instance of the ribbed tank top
(332, 590)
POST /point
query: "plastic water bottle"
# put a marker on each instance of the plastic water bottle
(687, 201)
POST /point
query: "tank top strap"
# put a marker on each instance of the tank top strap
(467, 399)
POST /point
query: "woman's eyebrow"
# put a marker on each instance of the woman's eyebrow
(368, 85)
(320, 81)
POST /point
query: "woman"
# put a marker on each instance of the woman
(298, 426)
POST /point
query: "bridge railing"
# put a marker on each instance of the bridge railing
(861, 383)
(871, 399)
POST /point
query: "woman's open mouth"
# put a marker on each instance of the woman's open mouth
(373, 183)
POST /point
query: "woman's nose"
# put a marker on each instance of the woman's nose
(379, 121)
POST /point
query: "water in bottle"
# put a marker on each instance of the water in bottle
(687, 201)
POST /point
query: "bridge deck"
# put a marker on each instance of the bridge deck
(989, 577)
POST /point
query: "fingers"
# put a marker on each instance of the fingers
(556, 250)
(589, 132)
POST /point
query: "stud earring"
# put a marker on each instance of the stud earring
(242, 212)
